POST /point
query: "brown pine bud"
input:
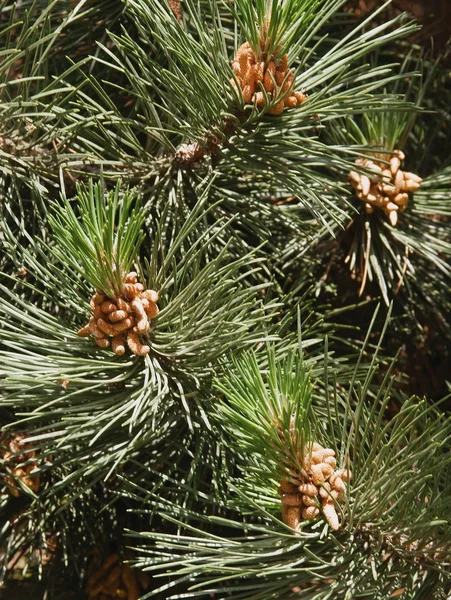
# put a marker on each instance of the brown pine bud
(308, 489)
(130, 291)
(152, 310)
(113, 577)
(387, 176)
(345, 474)
(290, 499)
(336, 494)
(410, 185)
(151, 295)
(135, 344)
(108, 307)
(331, 460)
(388, 189)
(286, 487)
(290, 101)
(317, 457)
(277, 109)
(94, 330)
(248, 92)
(309, 500)
(268, 81)
(401, 200)
(317, 474)
(117, 315)
(392, 206)
(337, 483)
(98, 298)
(300, 97)
(174, 5)
(279, 77)
(393, 218)
(331, 515)
(105, 328)
(236, 68)
(142, 322)
(283, 65)
(123, 305)
(259, 99)
(84, 331)
(366, 184)
(324, 490)
(412, 177)
(118, 344)
(395, 163)
(126, 323)
(377, 170)
(288, 87)
(260, 72)
(12, 489)
(102, 342)
(291, 515)
(310, 512)
(244, 57)
(131, 583)
(96, 309)
(249, 78)
(399, 182)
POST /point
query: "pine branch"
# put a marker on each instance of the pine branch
(189, 109)
(105, 244)
(394, 522)
(91, 400)
(390, 258)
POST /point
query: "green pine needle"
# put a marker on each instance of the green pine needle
(101, 237)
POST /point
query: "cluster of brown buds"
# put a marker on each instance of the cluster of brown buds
(257, 73)
(21, 460)
(388, 188)
(110, 578)
(174, 5)
(318, 487)
(123, 319)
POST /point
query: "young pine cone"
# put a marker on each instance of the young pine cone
(255, 74)
(110, 578)
(319, 486)
(120, 321)
(388, 189)
(21, 461)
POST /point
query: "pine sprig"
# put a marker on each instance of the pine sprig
(271, 411)
(88, 397)
(387, 259)
(102, 241)
(396, 511)
(276, 24)
(218, 129)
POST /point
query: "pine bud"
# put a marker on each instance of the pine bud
(331, 515)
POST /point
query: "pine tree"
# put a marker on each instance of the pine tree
(224, 258)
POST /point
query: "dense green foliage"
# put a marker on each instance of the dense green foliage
(288, 313)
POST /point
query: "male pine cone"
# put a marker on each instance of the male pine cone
(385, 186)
(21, 461)
(110, 578)
(123, 319)
(257, 73)
(318, 486)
